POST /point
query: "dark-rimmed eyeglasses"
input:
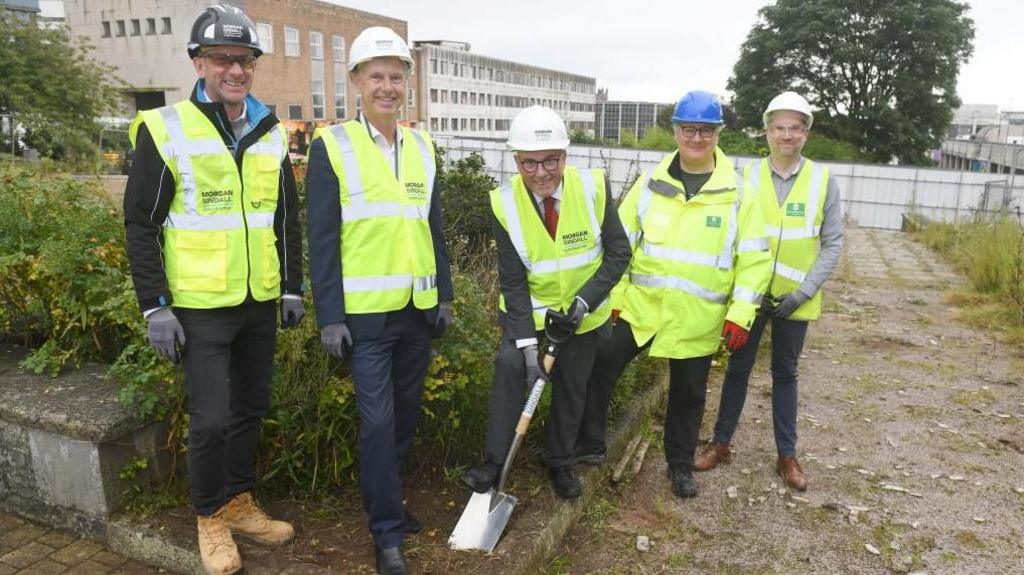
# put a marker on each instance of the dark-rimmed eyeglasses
(530, 165)
(689, 132)
(225, 60)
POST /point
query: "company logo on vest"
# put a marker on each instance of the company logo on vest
(216, 199)
(576, 240)
(416, 190)
(795, 210)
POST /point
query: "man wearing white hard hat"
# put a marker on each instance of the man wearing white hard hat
(801, 206)
(560, 247)
(379, 267)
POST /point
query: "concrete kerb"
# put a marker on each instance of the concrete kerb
(566, 514)
(147, 545)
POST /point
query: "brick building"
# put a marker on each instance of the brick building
(302, 75)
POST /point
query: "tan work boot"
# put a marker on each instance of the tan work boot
(789, 469)
(216, 547)
(244, 517)
(712, 455)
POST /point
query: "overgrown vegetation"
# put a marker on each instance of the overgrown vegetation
(990, 253)
(65, 291)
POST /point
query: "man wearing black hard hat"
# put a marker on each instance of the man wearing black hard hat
(213, 241)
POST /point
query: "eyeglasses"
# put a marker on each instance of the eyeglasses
(225, 60)
(530, 165)
(796, 129)
(689, 132)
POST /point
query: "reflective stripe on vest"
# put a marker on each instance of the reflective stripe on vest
(681, 284)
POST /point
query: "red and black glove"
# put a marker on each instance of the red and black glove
(735, 336)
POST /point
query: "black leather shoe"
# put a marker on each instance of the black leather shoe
(412, 524)
(565, 483)
(683, 484)
(481, 478)
(391, 561)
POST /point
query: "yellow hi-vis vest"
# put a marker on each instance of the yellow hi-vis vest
(219, 241)
(793, 229)
(556, 269)
(696, 263)
(386, 245)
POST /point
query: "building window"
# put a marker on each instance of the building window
(317, 90)
(294, 112)
(265, 32)
(165, 24)
(433, 95)
(120, 28)
(339, 98)
(136, 27)
(150, 26)
(411, 98)
(433, 124)
(316, 46)
(444, 96)
(106, 29)
(455, 97)
(444, 124)
(464, 98)
(338, 45)
(271, 107)
(463, 124)
(444, 66)
(433, 70)
(472, 124)
(291, 41)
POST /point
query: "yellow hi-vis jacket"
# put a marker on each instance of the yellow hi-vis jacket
(793, 228)
(556, 269)
(386, 245)
(696, 263)
(219, 240)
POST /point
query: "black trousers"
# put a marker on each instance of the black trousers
(388, 371)
(568, 393)
(229, 359)
(688, 383)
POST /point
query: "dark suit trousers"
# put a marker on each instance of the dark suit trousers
(388, 370)
(688, 382)
(568, 394)
(229, 359)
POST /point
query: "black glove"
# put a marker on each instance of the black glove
(292, 312)
(768, 305)
(165, 333)
(336, 339)
(533, 369)
(444, 318)
(789, 304)
(574, 317)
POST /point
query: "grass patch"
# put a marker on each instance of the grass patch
(969, 539)
(972, 397)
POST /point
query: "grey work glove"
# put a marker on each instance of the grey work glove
(165, 333)
(533, 369)
(336, 339)
(574, 316)
(292, 312)
(768, 305)
(444, 318)
(789, 304)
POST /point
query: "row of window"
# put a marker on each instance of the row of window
(503, 101)
(469, 124)
(340, 107)
(265, 32)
(461, 70)
(134, 27)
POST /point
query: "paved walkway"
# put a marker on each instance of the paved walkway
(30, 549)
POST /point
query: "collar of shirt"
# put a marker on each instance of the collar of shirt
(557, 195)
(799, 165)
(380, 140)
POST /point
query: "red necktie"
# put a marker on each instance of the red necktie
(550, 215)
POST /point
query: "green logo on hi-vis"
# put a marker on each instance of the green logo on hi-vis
(713, 222)
(796, 210)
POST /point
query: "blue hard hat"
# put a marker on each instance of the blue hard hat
(698, 106)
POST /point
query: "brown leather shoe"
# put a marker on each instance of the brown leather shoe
(712, 455)
(789, 469)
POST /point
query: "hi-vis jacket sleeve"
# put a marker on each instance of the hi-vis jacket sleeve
(630, 220)
(752, 262)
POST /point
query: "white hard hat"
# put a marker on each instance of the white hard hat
(789, 101)
(537, 128)
(378, 42)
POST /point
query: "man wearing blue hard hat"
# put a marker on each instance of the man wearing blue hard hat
(700, 266)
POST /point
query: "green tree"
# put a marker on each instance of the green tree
(466, 205)
(883, 73)
(51, 86)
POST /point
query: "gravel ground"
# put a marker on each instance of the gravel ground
(911, 433)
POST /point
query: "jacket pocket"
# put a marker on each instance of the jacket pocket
(202, 260)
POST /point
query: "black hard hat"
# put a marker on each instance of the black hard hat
(223, 25)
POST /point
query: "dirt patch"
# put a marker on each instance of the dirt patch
(911, 433)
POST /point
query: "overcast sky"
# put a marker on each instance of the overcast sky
(656, 50)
